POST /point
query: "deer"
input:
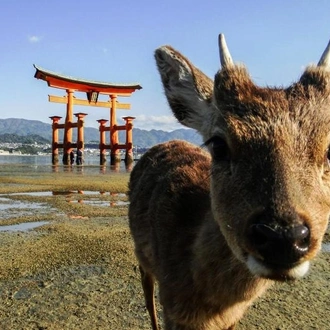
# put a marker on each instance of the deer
(216, 225)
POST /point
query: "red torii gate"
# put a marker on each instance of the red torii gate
(92, 90)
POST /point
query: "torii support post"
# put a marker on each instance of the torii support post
(114, 150)
(102, 144)
(67, 143)
(55, 127)
(80, 126)
(129, 157)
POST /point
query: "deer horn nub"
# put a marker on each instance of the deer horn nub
(225, 57)
(325, 58)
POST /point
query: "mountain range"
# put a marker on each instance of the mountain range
(141, 138)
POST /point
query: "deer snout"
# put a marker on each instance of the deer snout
(280, 246)
(278, 250)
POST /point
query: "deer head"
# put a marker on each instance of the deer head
(270, 175)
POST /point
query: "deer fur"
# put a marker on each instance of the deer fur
(215, 228)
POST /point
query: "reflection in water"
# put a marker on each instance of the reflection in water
(31, 193)
(46, 160)
(84, 192)
(61, 192)
(118, 168)
(42, 163)
(64, 193)
(99, 203)
(67, 168)
(70, 198)
(7, 203)
(12, 208)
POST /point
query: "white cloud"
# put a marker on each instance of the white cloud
(165, 123)
(34, 39)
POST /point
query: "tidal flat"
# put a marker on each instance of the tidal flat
(77, 269)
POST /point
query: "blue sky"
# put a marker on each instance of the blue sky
(114, 41)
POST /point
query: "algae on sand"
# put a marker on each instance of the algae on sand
(79, 270)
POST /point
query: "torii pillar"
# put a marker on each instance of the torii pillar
(114, 141)
(55, 144)
(67, 142)
(102, 145)
(129, 157)
(80, 126)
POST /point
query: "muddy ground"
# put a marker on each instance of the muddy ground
(79, 272)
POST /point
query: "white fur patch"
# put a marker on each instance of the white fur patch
(300, 270)
(256, 267)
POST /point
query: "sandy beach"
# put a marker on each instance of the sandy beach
(78, 271)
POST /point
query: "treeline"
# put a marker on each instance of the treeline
(26, 139)
(32, 144)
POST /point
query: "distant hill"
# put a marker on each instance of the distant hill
(141, 138)
(26, 139)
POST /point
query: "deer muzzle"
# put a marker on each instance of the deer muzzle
(279, 247)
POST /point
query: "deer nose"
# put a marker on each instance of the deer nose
(280, 245)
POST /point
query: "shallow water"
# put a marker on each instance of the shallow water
(23, 226)
(32, 193)
(63, 192)
(12, 208)
(42, 163)
(326, 247)
(7, 203)
(46, 160)
(100, 203)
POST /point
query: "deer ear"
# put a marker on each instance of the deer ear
(317, 77)
(188, 90)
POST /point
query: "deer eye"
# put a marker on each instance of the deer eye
(327, 160)
(219, 148)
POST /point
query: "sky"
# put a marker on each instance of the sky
(114, 41)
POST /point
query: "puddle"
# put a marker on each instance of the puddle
(7, 203)
(89, 192)
(65, 192)
(33, 193)
(12, 208)
(326, 247)
(100, 203)
(23, 226)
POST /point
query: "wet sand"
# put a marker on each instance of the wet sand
(79, 271)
